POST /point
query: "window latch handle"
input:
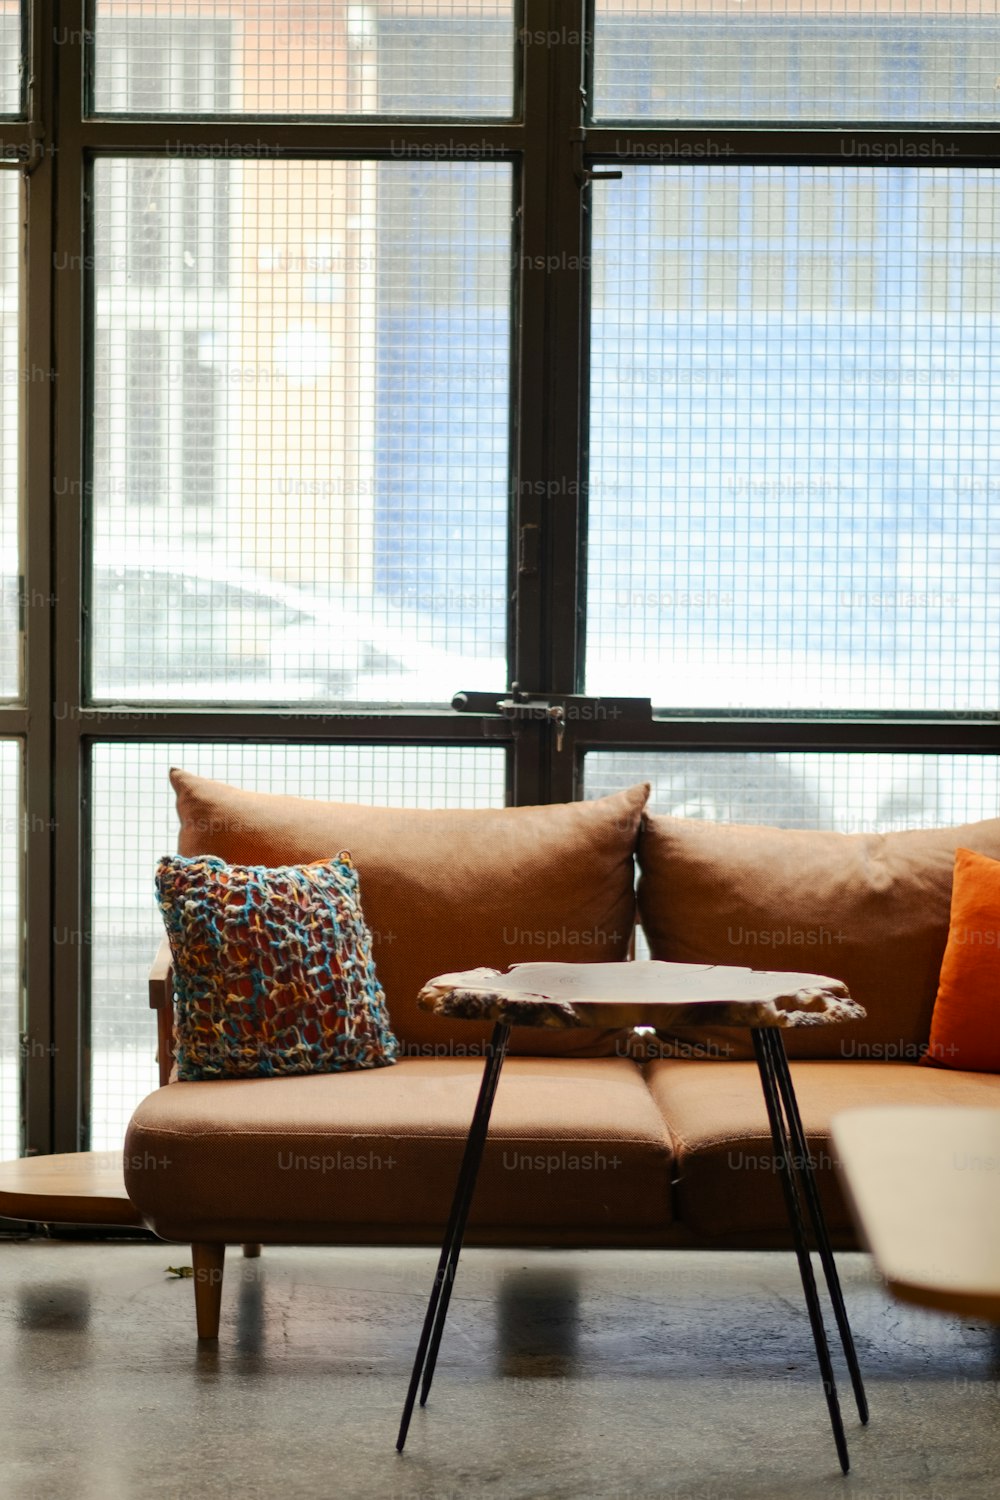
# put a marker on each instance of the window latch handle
(584, 174)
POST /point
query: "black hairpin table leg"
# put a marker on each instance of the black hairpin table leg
(783, 1154)
(437, 1307)
(773, 1039)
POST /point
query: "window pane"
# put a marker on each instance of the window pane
(134, 823)
(301, 430)
(11, 54)
(11, 827)
(848, 793)
(12, 597)
(270, 57)
(911, 60)
(795, 460)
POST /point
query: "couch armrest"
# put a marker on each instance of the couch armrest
(161, 999)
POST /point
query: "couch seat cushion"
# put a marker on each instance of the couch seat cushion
(573, 1143)
(714, 1111)
(871, 909)
(450, 888)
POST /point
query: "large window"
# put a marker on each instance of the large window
(903, 61)
(795, 373)
(301, 405)
(638, 359)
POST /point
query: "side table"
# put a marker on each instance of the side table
(947, 1155)
(80, 1188)
(660, 996)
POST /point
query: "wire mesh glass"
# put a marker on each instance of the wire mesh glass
(134, 822)
(15, 601)
(11, 843)
(300, 431)
(12, 66)
(896, 62)
(317, 57)
(794, 456)
(848, 792)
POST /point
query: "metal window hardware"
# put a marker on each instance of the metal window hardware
(557, 709)
(583, 174)
(536, 709)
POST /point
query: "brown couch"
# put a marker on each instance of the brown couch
(598, 1137)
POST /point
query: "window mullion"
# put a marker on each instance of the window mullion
(566, 383)
(70, 956)
(549, 298)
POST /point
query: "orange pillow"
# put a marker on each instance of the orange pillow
(965, 1026)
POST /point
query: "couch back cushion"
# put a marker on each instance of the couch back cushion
(449, 889)
(871, 909)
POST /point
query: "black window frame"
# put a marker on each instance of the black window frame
(555, 147)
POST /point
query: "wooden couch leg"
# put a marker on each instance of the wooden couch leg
(251, 1252)
(209, 1263)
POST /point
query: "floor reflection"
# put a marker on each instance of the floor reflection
(53, 1306)
(538, 1324)
(250, 1332)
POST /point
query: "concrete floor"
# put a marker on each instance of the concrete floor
(619, 1376)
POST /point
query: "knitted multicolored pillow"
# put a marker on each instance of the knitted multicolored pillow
(273, 969)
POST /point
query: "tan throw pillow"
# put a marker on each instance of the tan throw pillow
(450, 889)
(871, 909)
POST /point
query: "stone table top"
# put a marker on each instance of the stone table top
(643, 993)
